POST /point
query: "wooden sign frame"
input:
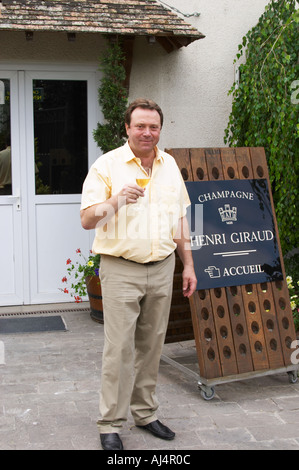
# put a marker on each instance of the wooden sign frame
(240, 331)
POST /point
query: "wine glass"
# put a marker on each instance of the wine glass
(143, 180)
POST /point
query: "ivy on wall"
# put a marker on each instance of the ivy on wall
(113, 98)
(265, 107)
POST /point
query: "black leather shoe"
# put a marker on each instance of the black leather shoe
(111, 441)
(159, 430)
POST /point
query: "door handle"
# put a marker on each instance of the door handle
(16, 198)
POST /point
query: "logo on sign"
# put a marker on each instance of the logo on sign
(228, 214)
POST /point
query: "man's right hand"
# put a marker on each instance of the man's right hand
(131, 192)
(101, 213)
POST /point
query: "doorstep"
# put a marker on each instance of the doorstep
(43, 308)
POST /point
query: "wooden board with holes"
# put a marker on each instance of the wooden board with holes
(180, 326)
(239, 329)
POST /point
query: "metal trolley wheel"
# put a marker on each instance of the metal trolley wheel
(293, 376)
(206, 392)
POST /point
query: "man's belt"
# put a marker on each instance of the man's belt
(149, 263)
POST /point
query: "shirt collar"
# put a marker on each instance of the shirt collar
(128, 155)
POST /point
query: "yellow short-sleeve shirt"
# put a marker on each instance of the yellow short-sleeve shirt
(144, 231)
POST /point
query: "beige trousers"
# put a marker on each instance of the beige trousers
(136, 304)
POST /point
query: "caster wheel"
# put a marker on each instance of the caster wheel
(208, 394)
(293, 378)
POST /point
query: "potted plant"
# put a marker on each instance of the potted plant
(82, 280)
(294, 298)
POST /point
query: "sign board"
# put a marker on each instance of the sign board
(233, 237)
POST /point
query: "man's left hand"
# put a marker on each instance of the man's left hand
(189, 281)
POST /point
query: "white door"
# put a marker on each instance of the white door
(51, 122)
(11, 215)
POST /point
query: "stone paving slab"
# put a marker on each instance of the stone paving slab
(49, 387)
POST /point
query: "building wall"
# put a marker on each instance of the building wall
(192, 84)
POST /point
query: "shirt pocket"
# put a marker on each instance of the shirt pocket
(167, 197)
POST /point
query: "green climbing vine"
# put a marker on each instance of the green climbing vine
(112, 97)
(265, 107)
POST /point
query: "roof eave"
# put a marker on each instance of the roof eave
(169, 41)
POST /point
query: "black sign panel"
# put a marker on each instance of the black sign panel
(233, 236)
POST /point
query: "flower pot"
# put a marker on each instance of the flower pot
(94, 292)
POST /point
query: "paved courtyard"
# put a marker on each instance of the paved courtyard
(49, 384)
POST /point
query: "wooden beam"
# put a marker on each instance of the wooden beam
(127, 47)
(165, 43)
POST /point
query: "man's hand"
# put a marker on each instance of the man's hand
(182, 240)
(101, 213)
(189, 281)
(130, 193)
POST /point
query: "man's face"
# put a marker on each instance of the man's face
(144, 131)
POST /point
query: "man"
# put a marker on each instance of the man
(137, 232)
(5, 169)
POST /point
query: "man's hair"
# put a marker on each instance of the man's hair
(144, 104)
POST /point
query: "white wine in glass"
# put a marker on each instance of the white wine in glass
(143, 182)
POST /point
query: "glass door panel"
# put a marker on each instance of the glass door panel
(60, 135)
(5, 138)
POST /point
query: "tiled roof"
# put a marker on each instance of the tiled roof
(124, 17)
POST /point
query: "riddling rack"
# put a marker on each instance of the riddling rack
(244, 331)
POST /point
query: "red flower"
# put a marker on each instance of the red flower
(64, 279)
(68, 261)
(66, 291)
(77, 299)
(78, 250)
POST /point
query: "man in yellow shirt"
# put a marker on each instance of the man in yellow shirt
(137, 231)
